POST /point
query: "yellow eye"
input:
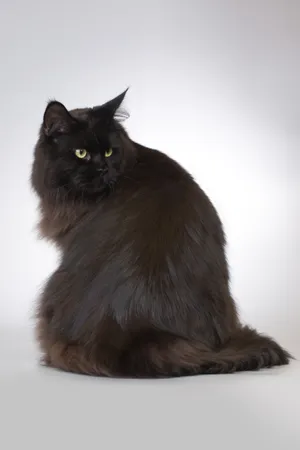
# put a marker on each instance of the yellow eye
(108, 153)
(81, 153)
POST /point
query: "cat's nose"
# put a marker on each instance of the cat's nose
(99, 169)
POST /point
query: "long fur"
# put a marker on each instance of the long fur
(142, 289)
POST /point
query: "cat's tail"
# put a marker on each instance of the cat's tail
(156, 354)
(245, 350)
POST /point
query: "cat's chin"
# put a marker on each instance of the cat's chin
(92, 187)
(95, 187)
(92, 192)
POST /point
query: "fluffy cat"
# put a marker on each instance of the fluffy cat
(142, 289)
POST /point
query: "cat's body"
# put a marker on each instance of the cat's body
(142, 289)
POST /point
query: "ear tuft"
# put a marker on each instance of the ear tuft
(57, 119)
(121, 115)
(110, 109)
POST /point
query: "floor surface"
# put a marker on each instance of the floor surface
(42, 408)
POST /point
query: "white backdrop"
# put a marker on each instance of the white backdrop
(215, 84)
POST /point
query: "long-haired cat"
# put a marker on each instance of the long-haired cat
(142, 289)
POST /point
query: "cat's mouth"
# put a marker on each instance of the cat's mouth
(98, 184)
(101, 171)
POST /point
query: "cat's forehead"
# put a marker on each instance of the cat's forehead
(83, 115)
(80, 113)
(91, 133)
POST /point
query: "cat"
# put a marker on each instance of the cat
(142, 288)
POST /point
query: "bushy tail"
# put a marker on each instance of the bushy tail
(161, 355)
(245, 350)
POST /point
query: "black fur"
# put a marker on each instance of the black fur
(142, 289)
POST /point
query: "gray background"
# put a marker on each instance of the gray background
(215, 84)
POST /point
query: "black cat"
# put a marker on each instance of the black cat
(142, 289)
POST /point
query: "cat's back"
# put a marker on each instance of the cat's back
(155, 191)
(150, 238)
(156, 206)
(161, 189)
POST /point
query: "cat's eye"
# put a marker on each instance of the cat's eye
(81, 153)
(108, 153)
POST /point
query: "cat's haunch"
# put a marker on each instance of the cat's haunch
(142, 289)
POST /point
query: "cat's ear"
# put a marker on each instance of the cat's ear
(108, 110)
(57, 119)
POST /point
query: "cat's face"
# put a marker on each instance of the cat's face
(80, 152)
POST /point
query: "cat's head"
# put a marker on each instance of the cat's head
(81, 152)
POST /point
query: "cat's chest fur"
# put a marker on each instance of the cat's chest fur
(58, 218)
